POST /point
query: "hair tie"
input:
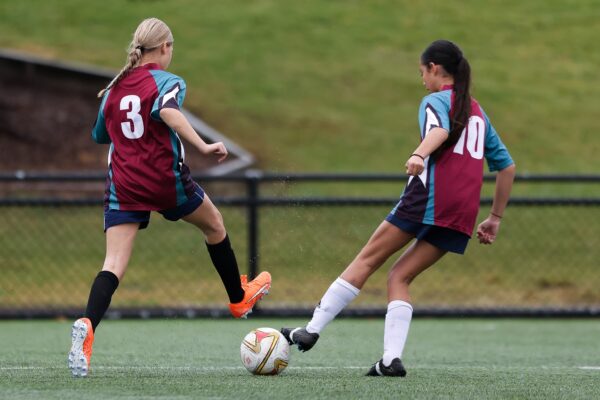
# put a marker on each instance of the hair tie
(139, 48)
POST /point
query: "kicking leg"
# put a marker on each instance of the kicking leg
(385, 241)
(243, 295)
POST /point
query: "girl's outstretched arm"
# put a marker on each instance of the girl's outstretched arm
(488, 229)
(179, 123)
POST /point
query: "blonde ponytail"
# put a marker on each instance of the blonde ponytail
(150, 34)
(133, 60)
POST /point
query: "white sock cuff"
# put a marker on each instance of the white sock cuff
(355, 291)
(398, 303)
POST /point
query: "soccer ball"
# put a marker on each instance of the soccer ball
(265, 351)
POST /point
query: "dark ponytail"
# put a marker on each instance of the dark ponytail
(449, 56)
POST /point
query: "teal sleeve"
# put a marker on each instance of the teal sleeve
(171, 92)
(99, 132)
(495, 152)
(433, 112)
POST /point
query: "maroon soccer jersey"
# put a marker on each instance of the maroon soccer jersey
(146, 170)
(447, 193)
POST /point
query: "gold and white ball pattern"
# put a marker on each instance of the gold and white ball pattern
(265, 351)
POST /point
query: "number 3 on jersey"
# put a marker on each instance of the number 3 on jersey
(475, 133)
(131, 104)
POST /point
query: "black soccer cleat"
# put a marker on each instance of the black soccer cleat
(301, 337)
(395, 369)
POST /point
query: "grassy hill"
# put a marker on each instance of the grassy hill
(324, 86)
(333, 86)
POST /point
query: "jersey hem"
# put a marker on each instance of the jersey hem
(454, 227)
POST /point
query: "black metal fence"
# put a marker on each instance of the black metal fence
(297, 226)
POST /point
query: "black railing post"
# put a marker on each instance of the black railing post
(253, 178)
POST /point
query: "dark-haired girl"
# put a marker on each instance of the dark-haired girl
(438, 207)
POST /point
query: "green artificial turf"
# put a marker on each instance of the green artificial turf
(190, 359)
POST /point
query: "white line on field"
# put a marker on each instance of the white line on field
(240, 368)
(150, 368)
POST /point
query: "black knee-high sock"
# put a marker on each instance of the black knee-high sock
(223, 259)
(101, 293)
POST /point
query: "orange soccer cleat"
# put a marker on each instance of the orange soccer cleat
(82, 339)
(254, 291)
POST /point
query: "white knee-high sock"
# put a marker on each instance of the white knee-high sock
(397, 322)
(338, 296)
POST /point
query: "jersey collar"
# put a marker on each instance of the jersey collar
(151, 66)
(447, 87)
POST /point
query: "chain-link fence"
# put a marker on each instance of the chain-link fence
(546, 256)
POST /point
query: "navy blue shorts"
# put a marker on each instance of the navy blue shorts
(118, 217)
(443, 238)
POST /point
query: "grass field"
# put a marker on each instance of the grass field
(191, 359)
(334, 86)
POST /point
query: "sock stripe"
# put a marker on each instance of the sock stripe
(398, 303)
(347, 285)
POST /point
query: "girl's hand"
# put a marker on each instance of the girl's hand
(415, 165)
(217, 149)
(488, 229)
